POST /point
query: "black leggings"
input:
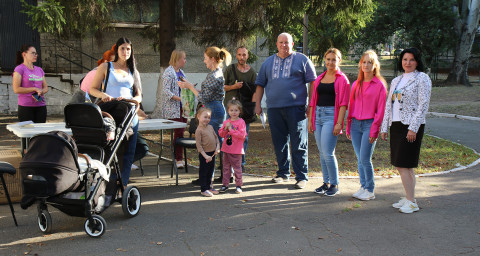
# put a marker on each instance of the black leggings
(35, 114)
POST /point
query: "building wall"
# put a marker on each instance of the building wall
(148, 61)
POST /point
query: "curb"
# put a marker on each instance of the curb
(447, 115)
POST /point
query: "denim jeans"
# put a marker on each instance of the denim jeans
(218, 116)
(326, 143)
(360, 133)
(130, 153)
(288, 127)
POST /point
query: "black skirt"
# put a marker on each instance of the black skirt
(403, 153)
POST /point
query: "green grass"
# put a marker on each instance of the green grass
(436, 155)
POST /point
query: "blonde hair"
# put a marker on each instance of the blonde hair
(201, 110)
(176, 55)
(220, 55)
(235, 102)
(334, 51)
(371, 56)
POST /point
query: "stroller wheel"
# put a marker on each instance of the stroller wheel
(96, 227)
(131, 201)
(44, 221)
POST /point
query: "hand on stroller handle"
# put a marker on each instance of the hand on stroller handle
(136, 103)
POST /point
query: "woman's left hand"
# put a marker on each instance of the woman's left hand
(411, 136)
(184, 85)
(371, 140)
(336, 129)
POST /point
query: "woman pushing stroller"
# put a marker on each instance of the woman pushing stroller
(123, 83)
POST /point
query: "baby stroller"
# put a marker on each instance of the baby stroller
(54, 175)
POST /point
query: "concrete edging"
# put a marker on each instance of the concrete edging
(471, 118)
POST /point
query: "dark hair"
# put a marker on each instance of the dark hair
(19, 57)
(131, 60)
(417, 55)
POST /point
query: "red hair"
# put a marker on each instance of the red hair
(107, 55)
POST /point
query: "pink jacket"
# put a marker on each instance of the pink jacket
(238, 133)
(342, 93)
(369, 104)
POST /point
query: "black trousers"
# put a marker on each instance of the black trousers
(206, 171)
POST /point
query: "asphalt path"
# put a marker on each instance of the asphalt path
(273, 219)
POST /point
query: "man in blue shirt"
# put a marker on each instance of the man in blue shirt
(284, 78)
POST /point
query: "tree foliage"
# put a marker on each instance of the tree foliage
(66, 18)
(331, 23)
(46, 17)
(427, 25)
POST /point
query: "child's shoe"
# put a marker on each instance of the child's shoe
(213, 191)
(223, 189)
(238, 190)
(206, 193)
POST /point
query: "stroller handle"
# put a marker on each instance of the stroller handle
(136, 103)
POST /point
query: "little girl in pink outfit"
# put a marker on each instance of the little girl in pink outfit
(233, 132)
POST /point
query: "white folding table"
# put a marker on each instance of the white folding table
(28, 130)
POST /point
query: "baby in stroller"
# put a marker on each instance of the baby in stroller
(51, 168)
(110, 126)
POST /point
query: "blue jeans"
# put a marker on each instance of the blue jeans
(326, 143)
(218, 116)
(288, 127)
(130, 152)
(360, 133)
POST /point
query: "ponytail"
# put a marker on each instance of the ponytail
(220, 55)
(18, 58)
(225, 56)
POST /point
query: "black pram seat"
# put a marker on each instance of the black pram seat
(50, 166)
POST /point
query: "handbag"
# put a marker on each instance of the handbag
(245, 94)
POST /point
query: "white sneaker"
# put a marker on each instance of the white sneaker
(359, 192)
(134, 167)
(238, 190)
(206, 193)
(180, 164)
(400, 203)
(366, 195)
(409, 207)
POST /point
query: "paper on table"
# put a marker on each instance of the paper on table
(25, 123)
(263, 119)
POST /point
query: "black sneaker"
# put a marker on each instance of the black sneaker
(223, 189)
(321, 190)
(231, 179)
(332, 190)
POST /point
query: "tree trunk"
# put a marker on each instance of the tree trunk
(166, 34)
(466, 26)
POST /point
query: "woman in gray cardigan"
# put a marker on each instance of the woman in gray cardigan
(170, 98)
(405, 111)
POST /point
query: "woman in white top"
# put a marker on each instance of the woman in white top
(405, 111)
